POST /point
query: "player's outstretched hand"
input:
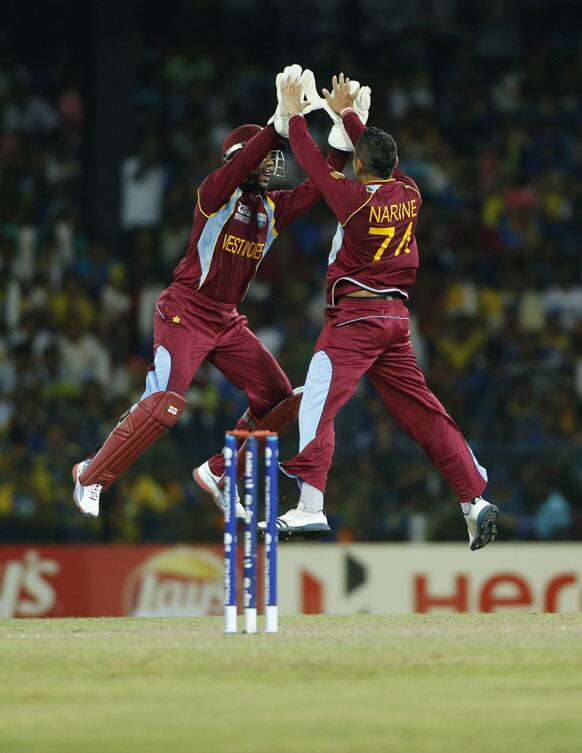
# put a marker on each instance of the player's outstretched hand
(280, 118)
(293, 96)
(343, 93)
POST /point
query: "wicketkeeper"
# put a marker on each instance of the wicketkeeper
(236, 220)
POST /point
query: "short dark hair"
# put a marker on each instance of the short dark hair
(378, 152)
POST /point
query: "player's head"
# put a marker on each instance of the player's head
(272, 165)
(375, 154)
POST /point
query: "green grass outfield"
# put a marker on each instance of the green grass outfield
(363, 684)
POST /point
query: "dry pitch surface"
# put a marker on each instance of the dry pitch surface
(361, 684)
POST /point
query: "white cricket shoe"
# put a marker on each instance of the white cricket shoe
(86, 497)
(210, 483)
(481, 517)
(299, 522)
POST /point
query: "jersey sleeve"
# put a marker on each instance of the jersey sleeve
(343, 196)
(353, 125)
(216, 189)
(407, 181)
(291, 204)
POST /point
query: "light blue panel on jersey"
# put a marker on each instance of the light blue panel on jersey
(336, 244)
(482, 471)
(271, 231)
(209, 235)
(314, 396)
(157, 380)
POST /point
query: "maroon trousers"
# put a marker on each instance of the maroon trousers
(373, 337)
(189, 328)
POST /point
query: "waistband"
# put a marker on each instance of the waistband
(394, 296)
(197, 297)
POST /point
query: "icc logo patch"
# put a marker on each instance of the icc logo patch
(261, 219)
(243, 213)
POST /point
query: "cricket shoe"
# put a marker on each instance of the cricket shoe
(299, 522)
(210, 483)
(481, 517)
(86, 497)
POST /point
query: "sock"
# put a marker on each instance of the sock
(466, 506)
(311, 498)
(218, 479)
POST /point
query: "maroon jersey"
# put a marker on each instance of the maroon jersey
(233, 229)
(374, 246)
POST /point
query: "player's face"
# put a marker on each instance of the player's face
(259, 180)
(264, 172)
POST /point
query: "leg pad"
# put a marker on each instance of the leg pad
(278, 419)
(132, 436)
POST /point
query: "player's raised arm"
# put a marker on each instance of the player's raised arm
(291, 203)
(351, 103)
(338, 192)
(240, 160)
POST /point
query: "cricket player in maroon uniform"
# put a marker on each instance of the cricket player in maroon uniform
(236, 220)
(372, 265)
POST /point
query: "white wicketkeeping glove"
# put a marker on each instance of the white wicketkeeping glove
(362, 103)
(280, 118)
(338, 137)
(312, 95)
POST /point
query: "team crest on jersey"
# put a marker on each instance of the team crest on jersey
(261, 219)
(243, 213)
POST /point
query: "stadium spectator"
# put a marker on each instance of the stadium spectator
(489, 130)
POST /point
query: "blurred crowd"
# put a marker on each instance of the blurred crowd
(490, 130)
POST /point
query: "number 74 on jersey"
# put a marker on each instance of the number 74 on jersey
(388, 233)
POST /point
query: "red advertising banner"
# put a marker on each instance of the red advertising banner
(98, 581)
